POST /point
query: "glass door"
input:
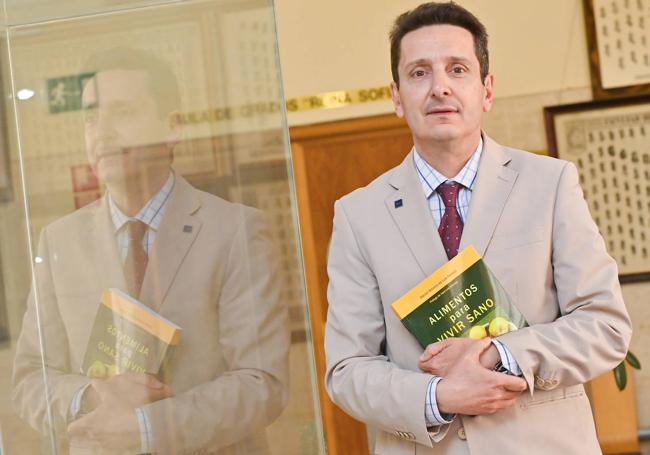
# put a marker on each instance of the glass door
(151, 290)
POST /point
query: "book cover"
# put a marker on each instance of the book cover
(128, 336)
(461, 298)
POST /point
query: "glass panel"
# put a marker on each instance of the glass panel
(146, 172)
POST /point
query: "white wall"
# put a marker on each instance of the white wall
(535, 47)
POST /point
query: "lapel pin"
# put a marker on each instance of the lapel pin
(187, 228)
(398, 203)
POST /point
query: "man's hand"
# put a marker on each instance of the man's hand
(110, 426)
(471, 389)
(132, 390)
(439, 357)
(113, 423)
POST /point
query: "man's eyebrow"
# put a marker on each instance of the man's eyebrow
(418, 62)
(92, 105)
(454, 58)
(449, 58)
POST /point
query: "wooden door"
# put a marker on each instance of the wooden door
(329, 161)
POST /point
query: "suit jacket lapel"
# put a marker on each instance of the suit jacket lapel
(493, 185)
(178, 231)
(105, 256)
(410, 210)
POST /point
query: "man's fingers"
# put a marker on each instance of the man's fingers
(80, 426)
(509, 394)
(143, 379)
(507, 403)
(432, 350)
(98, 384)
(504, 404)
(165, 392)
(514, 383)
(75, 429)
(480, 346)
(505, 381)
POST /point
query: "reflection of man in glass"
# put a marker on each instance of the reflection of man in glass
(199, 261)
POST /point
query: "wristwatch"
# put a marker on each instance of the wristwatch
(499, 368)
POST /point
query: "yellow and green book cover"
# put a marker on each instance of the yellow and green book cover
(461, 298)
(128, 336)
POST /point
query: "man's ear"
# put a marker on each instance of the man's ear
(488, 84)
(175, 129)
(397, 103)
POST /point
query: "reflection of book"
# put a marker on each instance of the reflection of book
(128, 336)
(461, 298)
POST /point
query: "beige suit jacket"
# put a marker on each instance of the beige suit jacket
(529, 221)
(211, 271)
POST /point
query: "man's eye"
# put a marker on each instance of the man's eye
(418, 73)
(458, 69)
(90, 117)
(124, 111)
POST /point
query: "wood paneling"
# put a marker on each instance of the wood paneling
(615, 414)
(331, 160)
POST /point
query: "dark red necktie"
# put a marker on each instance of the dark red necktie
(136, 257)
(451, 225)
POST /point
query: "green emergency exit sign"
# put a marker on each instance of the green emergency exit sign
(64, 93)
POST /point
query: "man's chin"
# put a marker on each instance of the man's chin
(108, 153)
(442, 133)
(113, 176)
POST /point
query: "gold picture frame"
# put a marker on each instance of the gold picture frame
(618, 39)
(609, 142)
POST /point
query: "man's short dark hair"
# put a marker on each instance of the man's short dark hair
(163, 83)
(439, 14)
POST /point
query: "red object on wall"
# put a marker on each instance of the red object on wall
(85, 185)
(83, 178)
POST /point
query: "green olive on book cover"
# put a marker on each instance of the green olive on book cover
(499, 326)
(101, 370)
(477, 332)
(97, 370)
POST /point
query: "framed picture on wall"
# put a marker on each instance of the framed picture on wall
(618, 38)
(609, 142)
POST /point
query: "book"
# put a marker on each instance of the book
(462, 298)
(128, 336)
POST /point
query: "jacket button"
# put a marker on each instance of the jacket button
(461, 434)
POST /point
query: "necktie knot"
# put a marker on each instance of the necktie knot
(135, 230)
(449, 193)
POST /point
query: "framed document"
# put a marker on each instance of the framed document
(609, 142)
(618, 37)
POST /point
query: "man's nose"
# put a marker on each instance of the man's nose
(104, 119)
(440, 87)
(105, 123)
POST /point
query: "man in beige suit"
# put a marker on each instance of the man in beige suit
(204, 263)
(525, 214)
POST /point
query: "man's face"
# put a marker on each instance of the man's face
(126, 137)
(441, 94)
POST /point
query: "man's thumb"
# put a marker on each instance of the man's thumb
(483, 345)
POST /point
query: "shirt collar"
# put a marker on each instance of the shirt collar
(431, 179)
(150, 214)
